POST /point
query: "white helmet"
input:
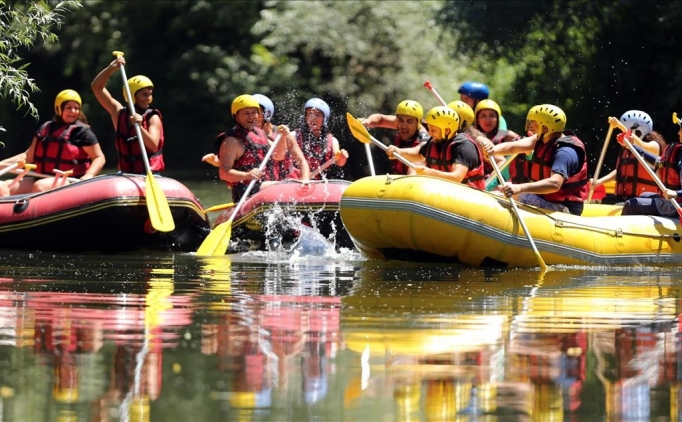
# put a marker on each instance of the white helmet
(640, 122)
(320, 105)
(267, 105)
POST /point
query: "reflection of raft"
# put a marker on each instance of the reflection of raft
(429, 219)
(277, 210)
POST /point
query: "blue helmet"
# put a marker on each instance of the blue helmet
(320, 105)
(475, 90)
(266, 105)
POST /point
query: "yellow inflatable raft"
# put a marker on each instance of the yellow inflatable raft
(421, 218)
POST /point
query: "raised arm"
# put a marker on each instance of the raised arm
(98, 85)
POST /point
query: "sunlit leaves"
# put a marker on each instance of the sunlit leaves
(21, 26)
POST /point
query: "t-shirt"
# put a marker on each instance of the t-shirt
(567, 163)
(81, 136)
(464, 152)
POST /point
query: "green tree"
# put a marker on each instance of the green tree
(593, 59)
(21, 26)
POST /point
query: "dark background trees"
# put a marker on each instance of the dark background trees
(593, 59)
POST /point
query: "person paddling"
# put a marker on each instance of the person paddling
(286, 168)
(130, 158)
(243, 148)
(632, 180)
(558, 169)
(408, 121)
(66, 144)
(488, 114)
(316, 140)
(449, 154)
(669, 169)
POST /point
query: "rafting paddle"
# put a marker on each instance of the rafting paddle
(325, 166)
(218, 239)
(361, 133)
(159, 212)
(600, 162)
(440, 99)
(11, 167)
(219, 207)
(615, 122)
(518, 216)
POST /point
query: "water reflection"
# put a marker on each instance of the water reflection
(268, 336)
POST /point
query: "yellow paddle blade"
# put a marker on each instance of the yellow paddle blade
(217, 241)
(358, 130)
(219, 207)
(159, 212)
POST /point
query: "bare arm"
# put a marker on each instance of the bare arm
(299, 158)
(516, 147)
(340, 155)
(459, 171)
(98, 85)
(651, 146)
(380, 120)
(230, 150)
(609, 177)
(97, 161)
(151, 136)
(549, 185)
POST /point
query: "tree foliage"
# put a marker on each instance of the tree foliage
(21, 26)
(594, 59)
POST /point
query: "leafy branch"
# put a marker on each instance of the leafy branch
(21, 26)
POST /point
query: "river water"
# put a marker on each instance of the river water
(282, 336)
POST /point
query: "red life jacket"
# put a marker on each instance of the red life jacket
(631, 178)
(575, 187)
(256, 147)
(316, 149)
(669, 171)
(442, 159)
(128, 147)
(417, 138)
(54, 150)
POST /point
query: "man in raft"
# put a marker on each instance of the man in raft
(450, 154)
(558, 170)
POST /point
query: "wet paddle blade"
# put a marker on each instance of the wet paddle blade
(159, 212)
(358, 130)
(217, 241)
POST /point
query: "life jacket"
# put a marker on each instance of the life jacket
(286, 167)
(575, 187)
(417, 138)
(496, 137)
(669, 170)
(128, 147)
(316, 149)
(632, 179)
(54, 149)
(439, 157)
(256, 147)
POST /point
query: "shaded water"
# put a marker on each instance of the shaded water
(288, 337)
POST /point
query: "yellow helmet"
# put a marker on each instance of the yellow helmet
(465, 113)
(547, 115)
(443, 117)
(410, 108)
(136, 83)
(64, 96)
(244, 101)
(488, 105)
